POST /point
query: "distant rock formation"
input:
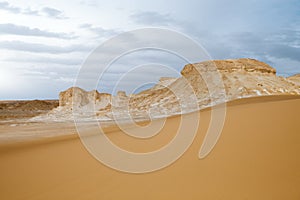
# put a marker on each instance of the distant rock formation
(202, 85)
(79, 98)
(76, 101)
(23, 110)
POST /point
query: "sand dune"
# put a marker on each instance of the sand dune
(257, 157)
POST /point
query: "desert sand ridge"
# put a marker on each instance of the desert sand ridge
(241, 78)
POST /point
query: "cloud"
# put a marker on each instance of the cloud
(267, 44)
(29, 11)
(53, 13)
(46, 60)
(45, 11)
(152, 18)
(50, 73)
(99, 31)
(91, 3)
(6, 6)
(42, 48)
(26, 31)
(284, 51)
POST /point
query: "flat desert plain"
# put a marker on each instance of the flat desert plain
(256, 157)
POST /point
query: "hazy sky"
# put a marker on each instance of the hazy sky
(44, 43)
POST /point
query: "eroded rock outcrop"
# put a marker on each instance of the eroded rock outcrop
(202, 85)
(76, 101)
(241, 77)
(79, 98)
(214, 82)
(295, 79)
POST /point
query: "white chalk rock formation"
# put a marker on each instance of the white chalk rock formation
(202, 85)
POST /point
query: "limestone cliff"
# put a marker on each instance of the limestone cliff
(209, 81)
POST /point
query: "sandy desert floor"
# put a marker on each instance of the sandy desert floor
(256, 157)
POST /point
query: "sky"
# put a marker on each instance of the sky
(43, 44)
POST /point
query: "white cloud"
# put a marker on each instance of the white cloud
(14, 29)
(44, 11)
(152, 18)
(99, 31)
(53, 13)
(42, 48)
